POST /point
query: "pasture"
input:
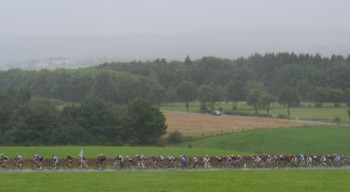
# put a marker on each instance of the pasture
(296, 140)
(308, 111)
(199, 125)
(238, 180)
(306, 140)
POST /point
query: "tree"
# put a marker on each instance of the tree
(290, 74)
(235, 92)
(207, 97)
(94, 118)
(143, 123)
(289, 97)
(23, 96)
(157, 93)
(348, 104)
(253, 99)
(33, 123)
(188, 61)
(265, 101)
(303, 88)
(126, 86)
(254, 85)
(336, 95)
(186, 91)
(104, 86)
(98, 118)
(210, 70)
(328, 94)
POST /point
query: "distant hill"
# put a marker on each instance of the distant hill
(226, 43)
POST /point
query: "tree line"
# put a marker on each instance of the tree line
(316, 79)
(27, 121)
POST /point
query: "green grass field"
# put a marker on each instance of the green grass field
(307, 140)
(326, 113)
(262, 181)
(312, 140)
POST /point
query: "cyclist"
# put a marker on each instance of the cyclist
(54, 161)
(182, 161)
(100, 161)
(118, 161)
(129, 161)
(83, 161)
(102, 158)
(171, 161)
(162, 161)
(38, 161)
(194, 163)
(206, 161)
(69, 161)
(18, 161)
(218, 160)
(140, 161)
(3, 160)
(302, 159)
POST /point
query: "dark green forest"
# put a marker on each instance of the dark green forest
(316, 79)
(27, 121)
(104, 96)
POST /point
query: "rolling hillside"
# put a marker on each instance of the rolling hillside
(307, 140)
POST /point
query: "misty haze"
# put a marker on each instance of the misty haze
(230, 43)
(82, 33)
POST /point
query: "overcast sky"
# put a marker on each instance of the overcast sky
(118, 17)
(23, 18)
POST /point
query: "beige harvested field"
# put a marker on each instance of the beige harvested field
(192, 124)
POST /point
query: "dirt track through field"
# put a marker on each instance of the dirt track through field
(195, 124)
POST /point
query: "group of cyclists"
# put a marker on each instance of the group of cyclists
(52, 163)
(142, 162)
(4, 161)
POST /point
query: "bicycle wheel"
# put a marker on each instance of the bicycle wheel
(34, 166)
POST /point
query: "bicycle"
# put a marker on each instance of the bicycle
(17, 164)
(37, 165)
(53, 165)
(83, 164)
(100, 165)
(4, 164)
(68, 164)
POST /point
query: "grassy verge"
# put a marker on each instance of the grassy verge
(269, 181)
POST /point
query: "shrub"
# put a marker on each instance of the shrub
(337, 119)
(239, 113)
(264, 115)
(175, 137)
(161, 142)
(281, 116)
